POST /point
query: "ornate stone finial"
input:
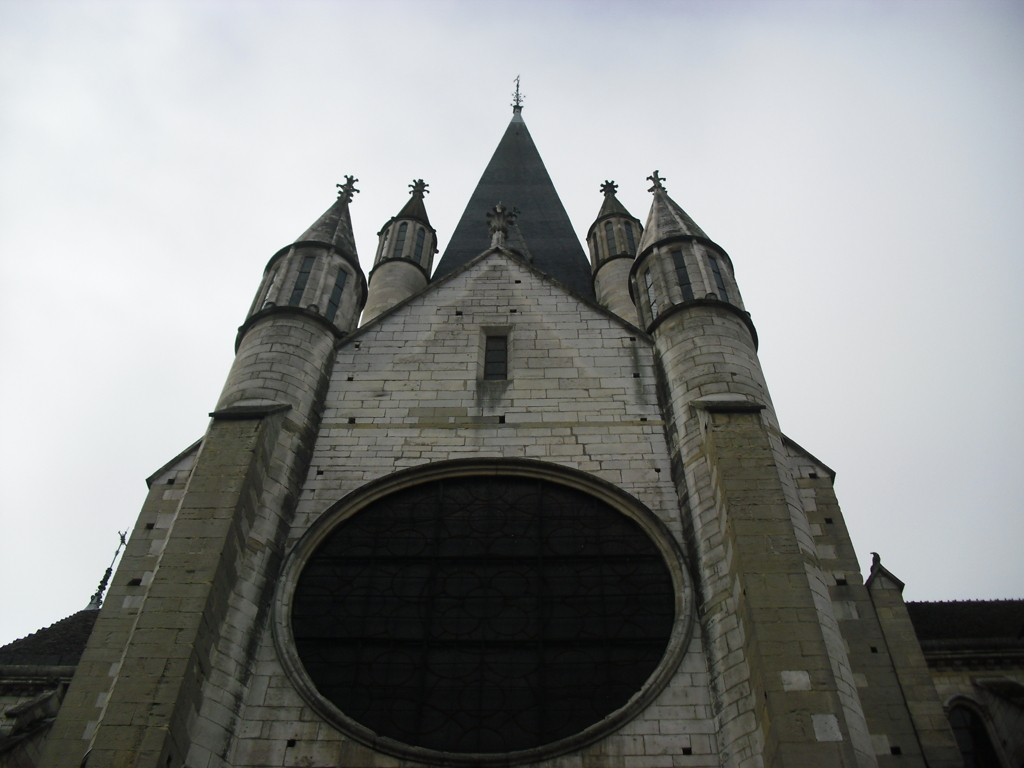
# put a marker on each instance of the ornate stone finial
(419, 188)
(500, 218)
(97, 599)
(609, 187)
(876, 561)
(656, 179)
(348, 189)
(517, 98)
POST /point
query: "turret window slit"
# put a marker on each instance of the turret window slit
(400, 239)
(609, 234)
(682, 275)
(722, 293)
(651, 298)
(629, 238)
(335, 300)
(421, 236)
(300, 282)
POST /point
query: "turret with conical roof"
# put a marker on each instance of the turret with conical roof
(612, 240)
(516, 178)
(320, 271)
(315, 282)
(679, 264)
(745, 525)
(405, 251)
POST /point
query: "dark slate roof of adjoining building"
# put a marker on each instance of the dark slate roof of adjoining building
(968, 623)
(517, 178)
(60, 644)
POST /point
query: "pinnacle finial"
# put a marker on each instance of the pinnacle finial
(656, 179)
(500, 219)
(97, 599)
(517, 98)
(419, 188)
(348, 189)
(609, 187)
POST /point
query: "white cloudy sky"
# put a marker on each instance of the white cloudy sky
(862, 163)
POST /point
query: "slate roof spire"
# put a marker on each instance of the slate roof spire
(334, 227)
(666, 218)
(516, 177)
(611, 205)
(414, 207)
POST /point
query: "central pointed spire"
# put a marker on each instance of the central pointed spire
(516, 177)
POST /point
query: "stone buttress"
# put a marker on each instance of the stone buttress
(785, 691)
(793, 635)
(162, 678)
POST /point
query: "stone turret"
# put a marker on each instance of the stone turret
(612, 240)
(405, 251)
(311, 295)
(320, 271)
(764, 587)
(210, 572)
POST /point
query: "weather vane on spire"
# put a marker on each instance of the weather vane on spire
(419, 188)
(609, 188)
(517, 98)
(348, 189)
(656, 179)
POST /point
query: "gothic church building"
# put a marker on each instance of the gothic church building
(521, 508)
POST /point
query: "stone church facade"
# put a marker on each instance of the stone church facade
(536, 509)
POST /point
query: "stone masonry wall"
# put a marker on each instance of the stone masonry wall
(408, 390)
(706, 355)
(892, 735)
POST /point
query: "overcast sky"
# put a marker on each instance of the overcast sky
(862, 163)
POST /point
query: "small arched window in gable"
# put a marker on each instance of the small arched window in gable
(400, 239)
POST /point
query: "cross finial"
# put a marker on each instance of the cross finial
(348, 189)
(419, 188)
(656, 179)
(517, 98)
(609, 188)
